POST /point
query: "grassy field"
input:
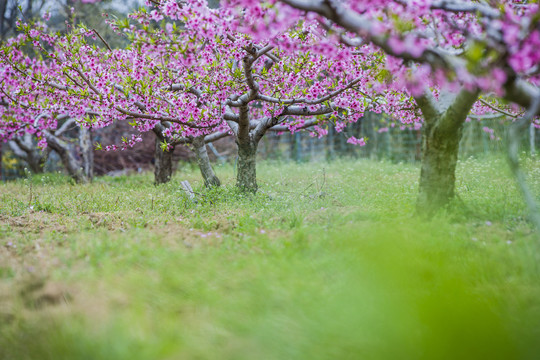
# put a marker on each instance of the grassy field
(327, 261)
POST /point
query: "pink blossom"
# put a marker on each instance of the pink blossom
(355, 141)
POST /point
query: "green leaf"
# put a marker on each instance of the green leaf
(475, 52)
(164, 146)
(384, 75)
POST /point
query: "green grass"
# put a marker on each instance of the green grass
(327, 261)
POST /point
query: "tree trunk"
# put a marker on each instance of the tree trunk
(162, 163)
(207, 172)
(3, 8)
(246, 179)
(72, 166)
(26, 149)
(87, 152)
(438, 174)
(36, 161)
(442, 132)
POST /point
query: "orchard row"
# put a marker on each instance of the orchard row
(193, 74)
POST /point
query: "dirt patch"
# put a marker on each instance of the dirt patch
(38, 292)
(38, 221)
(41, 221)
(30, 295)
(20, 257)
(178, 235)
(110, 221)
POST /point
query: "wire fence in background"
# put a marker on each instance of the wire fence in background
(398, 144)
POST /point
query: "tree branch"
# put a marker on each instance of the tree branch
(363, 27)
(215, 136)
(522, 93)
(320, 100)
(497, 109)
(64, 127)
(426, 103)
(458, 110)
(102, 39)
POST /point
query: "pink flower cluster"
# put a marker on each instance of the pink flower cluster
(286, 66)
(355, 141)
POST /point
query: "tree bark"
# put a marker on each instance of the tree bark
(3, 8)
(440, 148)
(246, 179)
(26, 149)
(72, 166)
(207, 172)
(36, 161)
(162, 163)
(87, 152)
(438, 173)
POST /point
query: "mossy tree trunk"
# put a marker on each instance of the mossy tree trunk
(247, 141)
(438, 172)
(440, 147)
(246, 178)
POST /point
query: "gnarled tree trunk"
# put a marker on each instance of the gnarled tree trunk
(246, 178)
(207, 172)
(36, 161)
(72, 166)
(27, 150)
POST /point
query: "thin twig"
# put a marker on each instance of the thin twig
(498, 109)
(102, 39)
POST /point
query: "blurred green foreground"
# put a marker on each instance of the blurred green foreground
(327, 261)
